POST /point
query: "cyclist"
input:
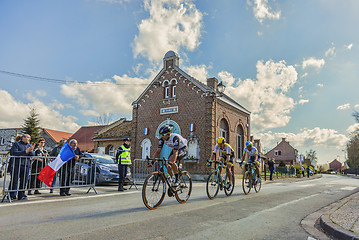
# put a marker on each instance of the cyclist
(226, 154)
(178, 144)
(253, 156)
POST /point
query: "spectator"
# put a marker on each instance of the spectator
(37, 165)
(271, 168)
(302, 168)
(24, 150)
(308, 171)
(66, 169)
(18, 138)
(54, 153)
(123, 158)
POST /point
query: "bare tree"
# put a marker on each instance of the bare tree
(104, 119)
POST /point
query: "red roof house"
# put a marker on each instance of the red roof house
(84, 137)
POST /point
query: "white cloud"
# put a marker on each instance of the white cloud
(356, 106)
(300, 89)
(259, 33)
(302, 101)
(353, 128)
(330, 52)
(320, 85)
(349, 47)
(41, 93)
(200, 72)
(304, 75)
(265, 97)
(344, 106)
(171, 25)
(262, 10)
(313, 62)
(89, 112)
(14, 112)
(106, 96)
(310, 138)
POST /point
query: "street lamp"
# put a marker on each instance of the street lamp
(220, 87)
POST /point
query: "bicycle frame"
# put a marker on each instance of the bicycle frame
(218, 165)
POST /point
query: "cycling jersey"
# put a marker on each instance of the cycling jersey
(175, 142)
(227, 149)
(252, 153)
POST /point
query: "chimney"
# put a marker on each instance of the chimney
(212, 83)
(283, 139)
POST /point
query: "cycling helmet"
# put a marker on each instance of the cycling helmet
(164, 130)
(249, 144)
(221, 140)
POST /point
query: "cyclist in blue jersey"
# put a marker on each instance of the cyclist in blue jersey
(253, 156)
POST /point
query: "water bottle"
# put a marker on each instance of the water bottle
(167, 175)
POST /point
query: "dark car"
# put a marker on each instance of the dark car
(106, 169)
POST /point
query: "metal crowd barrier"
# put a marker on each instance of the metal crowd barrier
(24, 171)
(140, 171)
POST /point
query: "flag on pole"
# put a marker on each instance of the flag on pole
(191, 127)
(47, 173)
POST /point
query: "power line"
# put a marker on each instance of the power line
(53, 80)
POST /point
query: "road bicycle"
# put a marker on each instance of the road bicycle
(156, 184)
(250, 179)
(215, 181)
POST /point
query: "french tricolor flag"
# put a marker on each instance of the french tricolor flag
(191, 127)
(47, 173)
(145, 131)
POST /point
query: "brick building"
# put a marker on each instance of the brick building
(198, 111)
(335, 165)
(109, 138)
(284, 152)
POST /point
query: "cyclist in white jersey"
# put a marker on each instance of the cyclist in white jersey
(253, 156)
(178, 144)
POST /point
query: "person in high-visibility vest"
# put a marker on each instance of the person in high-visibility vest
(123, 157)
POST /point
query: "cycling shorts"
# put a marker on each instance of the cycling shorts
(223, 158)
(181, 153)
(252, 158)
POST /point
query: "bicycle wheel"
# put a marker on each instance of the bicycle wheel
(212, 186)
(257, 185)
(183, 191)
(154, 190)
(247, 182)
(228, 191)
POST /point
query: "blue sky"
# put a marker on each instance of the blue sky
(293, 64)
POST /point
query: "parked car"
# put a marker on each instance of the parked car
(106, 169)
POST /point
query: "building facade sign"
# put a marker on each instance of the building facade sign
(169, 110)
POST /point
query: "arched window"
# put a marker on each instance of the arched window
(174, 91)
(146, 148)
(111, 150)
(240, 142)
(224, 129)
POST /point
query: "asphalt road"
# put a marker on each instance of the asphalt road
(273, 213)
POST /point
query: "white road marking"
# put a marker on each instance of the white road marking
(307, 185)
(348, 188)
(63, 199)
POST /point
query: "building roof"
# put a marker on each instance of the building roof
(207, 90)
(116, 131)
(85, 135)
(57, 135)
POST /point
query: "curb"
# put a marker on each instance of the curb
(331, 228)
(334, 230)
